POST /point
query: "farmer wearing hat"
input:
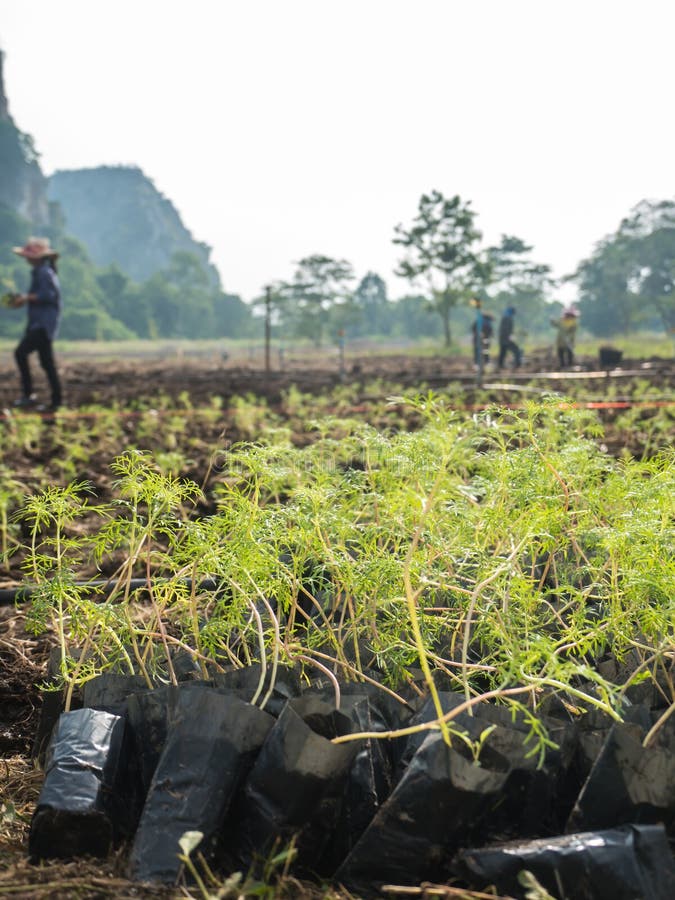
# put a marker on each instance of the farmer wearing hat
(43, 302)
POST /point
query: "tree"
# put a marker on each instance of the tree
(606, 303)
(511, 268)
(655, 282)
(630, 277)
(122, 301)
(319, 286)
(232, 316)
(370, 299)
(410, 318)
(441, 250)
(180, 301)
(651, 234)
(519, 282)
(189, 276)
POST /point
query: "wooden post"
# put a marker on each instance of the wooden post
(341, 351)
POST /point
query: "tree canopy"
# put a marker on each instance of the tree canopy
(318, 295)
(516, 280)
(441, 250)
(629, 281)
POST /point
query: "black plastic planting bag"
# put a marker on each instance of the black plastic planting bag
(485, 713)
(148, 714)
(111, 692)
(629, 782)
(414, 834)
(210, 746)
(50, 711)
(528, 804)
(52, 705)
(295, 788)
(78, 809)
(371, 775)
(394, 713)
(632, 862)
(246, 682)
(369, 781)
(593, 728)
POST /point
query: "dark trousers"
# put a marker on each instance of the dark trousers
(565, 357)
(509, 346)
(38, 340)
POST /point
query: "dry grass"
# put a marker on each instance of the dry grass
(89, 879)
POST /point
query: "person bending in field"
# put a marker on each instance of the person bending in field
(566, 327)
(43, 302)
(506, 342)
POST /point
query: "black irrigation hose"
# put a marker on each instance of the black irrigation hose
(23, 593)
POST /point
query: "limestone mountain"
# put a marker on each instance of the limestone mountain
(23, 187)
(121, 217)
(129, 267)
(116, 212)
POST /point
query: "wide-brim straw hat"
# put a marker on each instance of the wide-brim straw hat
(36, 248)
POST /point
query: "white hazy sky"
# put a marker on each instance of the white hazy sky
(282, 128)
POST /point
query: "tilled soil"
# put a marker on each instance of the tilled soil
(124, 385)
(128, 381)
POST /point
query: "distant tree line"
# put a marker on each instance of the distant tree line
(627, 284)
(446, 265)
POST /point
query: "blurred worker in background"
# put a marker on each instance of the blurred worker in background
(481, 330)
(566, 327)
(506, 342)
(43, 301)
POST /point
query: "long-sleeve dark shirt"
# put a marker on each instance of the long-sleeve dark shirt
(45, 311)
(505, 329)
